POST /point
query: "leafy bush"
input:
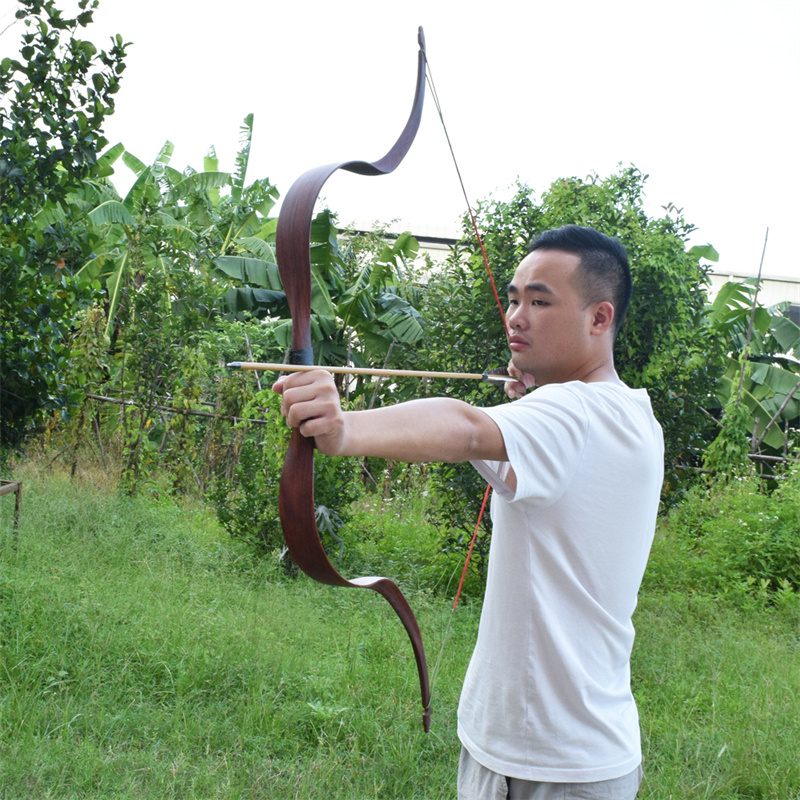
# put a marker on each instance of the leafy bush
(246, 503)
(734, 540)
(396, 537)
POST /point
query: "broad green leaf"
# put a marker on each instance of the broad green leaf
(133, 163)
(775, 437)
(402, 319)
(261, 303)
(114, 285)
(211, 162)
(145, 186)
(165, 153)
(51, 214)
(321, 302)
(706, 251)
(168, 176)
(259, 248)
(104, 167)
(376, 346)
(254, 271)
(200, 181)
(268, 203)
(282, 331)
(786, 333)
(780, 381)
(268, 228)
(732, 298)
(242, 158)
(110, 212)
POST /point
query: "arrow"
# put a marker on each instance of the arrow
(489, 377)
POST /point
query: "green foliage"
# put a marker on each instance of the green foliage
(395, 537)
(57, 98)
(247, 504)
(170, 227)
(665, 344)
(732, 540)
(52, 125)
(163, 345)
(761, 368)
(245, 498)
(727, 455)
(362, 302)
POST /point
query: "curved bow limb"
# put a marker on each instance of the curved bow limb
(296, 494)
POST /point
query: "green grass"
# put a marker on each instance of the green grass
(719, 697)
(143, 654)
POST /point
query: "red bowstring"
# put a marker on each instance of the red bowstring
(435, 97)
(472, 545)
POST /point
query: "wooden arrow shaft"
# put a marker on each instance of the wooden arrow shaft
(383, 373)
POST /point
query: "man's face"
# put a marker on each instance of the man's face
(549, 324)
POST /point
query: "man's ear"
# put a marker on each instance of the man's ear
(602, 318)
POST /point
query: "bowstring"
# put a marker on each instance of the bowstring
(437, 104)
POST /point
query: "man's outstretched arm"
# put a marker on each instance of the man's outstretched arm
(433, 429)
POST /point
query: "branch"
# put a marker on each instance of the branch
(752, 317)
(775, 417)
(184, 411)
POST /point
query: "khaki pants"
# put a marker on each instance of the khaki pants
(475, 782)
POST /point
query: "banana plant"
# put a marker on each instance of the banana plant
(360, 306)
(170, 218)
(763, 364)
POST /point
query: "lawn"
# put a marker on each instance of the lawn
(144, 654)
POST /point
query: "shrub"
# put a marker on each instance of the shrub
(735, 539)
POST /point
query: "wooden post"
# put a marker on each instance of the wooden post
(13, 487)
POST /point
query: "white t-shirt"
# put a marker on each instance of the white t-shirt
(547, 694)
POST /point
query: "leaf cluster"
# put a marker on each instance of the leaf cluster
(61, 92)
(57, 96)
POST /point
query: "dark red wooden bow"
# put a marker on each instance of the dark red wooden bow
(296, 496)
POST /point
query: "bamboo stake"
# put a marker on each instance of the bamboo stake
(384, 373)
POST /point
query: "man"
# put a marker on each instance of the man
(546, 709)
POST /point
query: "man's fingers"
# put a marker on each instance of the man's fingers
(516, 390)
(297, 410)
(524, 382)
(305, 387)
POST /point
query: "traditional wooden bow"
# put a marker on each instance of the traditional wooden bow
(296, 495)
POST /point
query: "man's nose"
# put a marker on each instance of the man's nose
(514, 319)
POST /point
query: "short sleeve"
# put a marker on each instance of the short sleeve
(545, 434)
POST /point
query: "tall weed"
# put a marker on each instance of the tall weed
(735, 540)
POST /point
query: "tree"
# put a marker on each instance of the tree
(666, 344)
(759, 390)
(59, 93)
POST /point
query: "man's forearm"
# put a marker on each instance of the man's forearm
(434, 429)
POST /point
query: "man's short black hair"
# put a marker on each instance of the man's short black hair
(604, 271)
